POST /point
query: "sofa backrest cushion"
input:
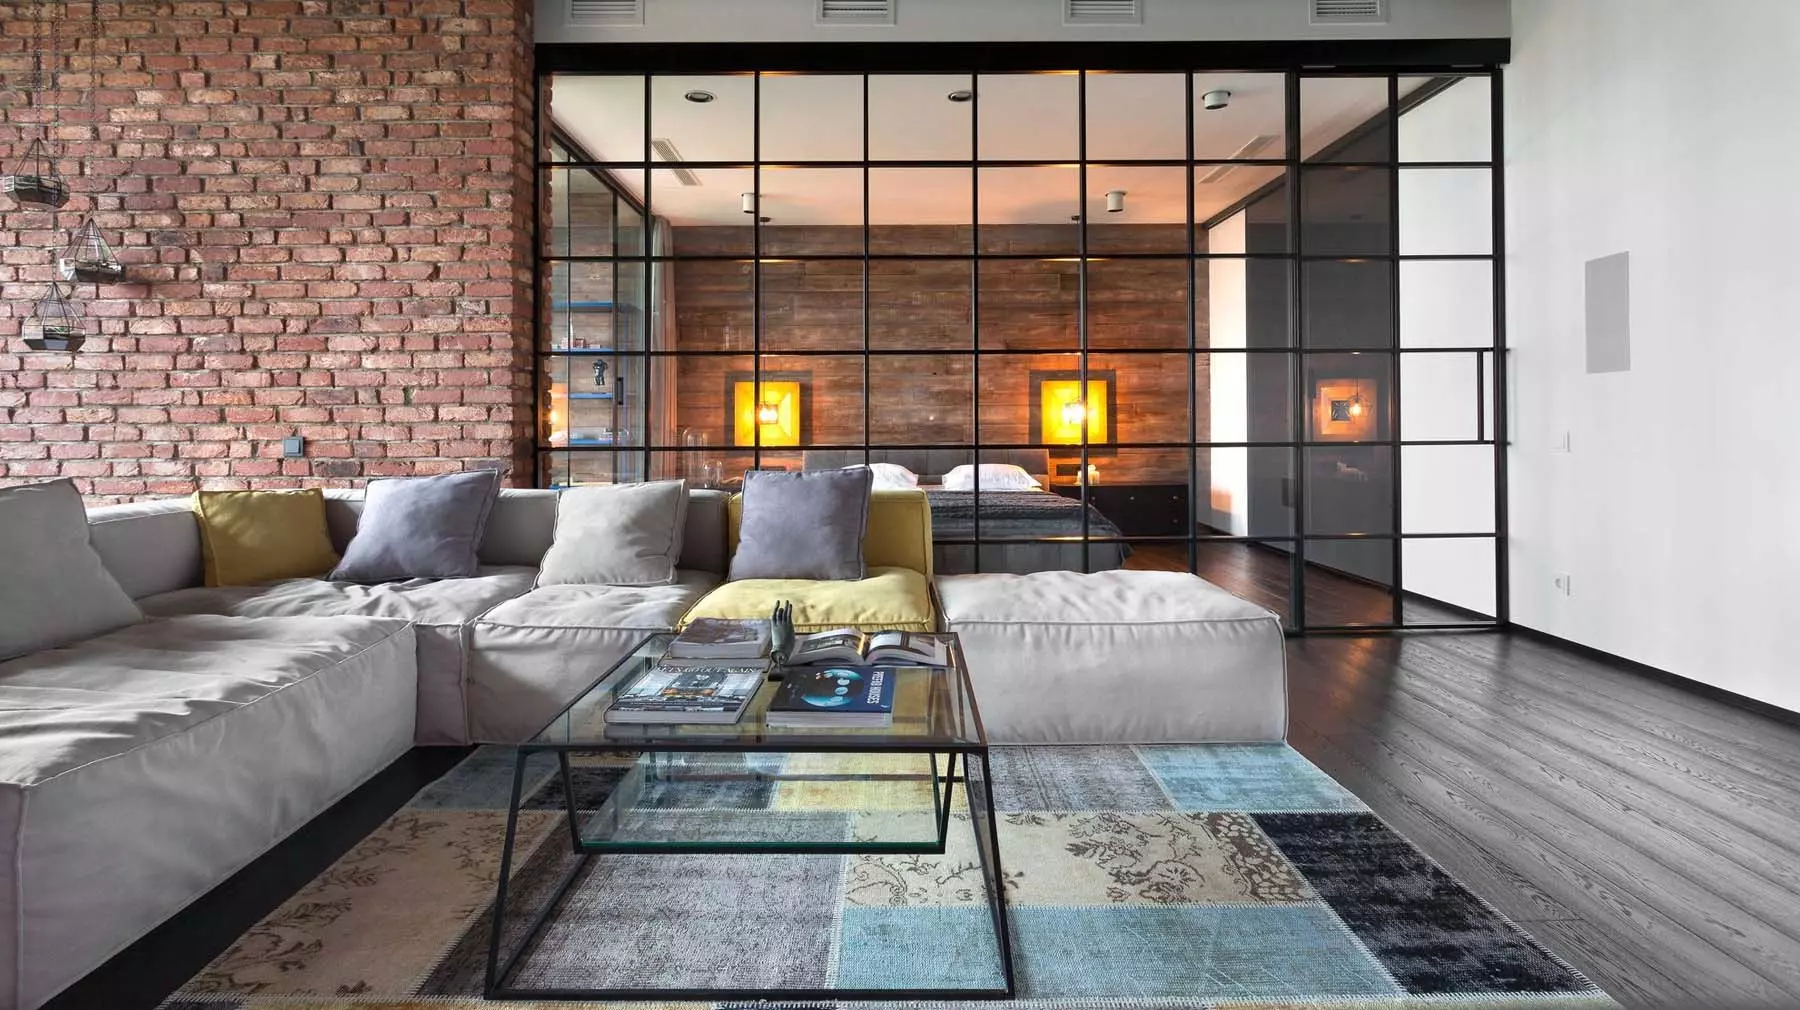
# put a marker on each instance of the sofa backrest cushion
(56, 590)
(151, 547)
(898, 534)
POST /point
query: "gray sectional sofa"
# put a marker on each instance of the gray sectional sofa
(141, 767)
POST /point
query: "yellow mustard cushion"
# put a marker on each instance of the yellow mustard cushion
(249, 537)
(891, 598)
(899, 533)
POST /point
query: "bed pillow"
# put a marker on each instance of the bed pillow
(56, 591)
(891, 476)
(420, 528)
(617, 535)
(994, 477)
(249, 537)
(807, 525)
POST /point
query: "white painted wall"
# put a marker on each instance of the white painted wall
(1020, 21)
(1665, 128)
(1228, 384)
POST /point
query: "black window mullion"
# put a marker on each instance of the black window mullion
(756, 313)
(1081, 300)
(649, 310)
(1393, 360)
(867, 241)
(1497, 187)
(1297, 366)
(975, 301)
(1193, 339)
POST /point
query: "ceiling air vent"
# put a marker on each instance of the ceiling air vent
(1349, 12)
(1102, 12)
(606, 12)
(856, 12)
(665, 149)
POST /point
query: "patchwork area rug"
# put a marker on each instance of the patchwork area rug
(1179, 877)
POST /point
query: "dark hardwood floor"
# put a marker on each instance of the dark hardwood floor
(1648, 835)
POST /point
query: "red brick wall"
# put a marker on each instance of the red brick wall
(325, 208)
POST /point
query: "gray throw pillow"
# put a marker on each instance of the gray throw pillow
(617, 535)
(420, 528)
(54, 589)
(806, 525)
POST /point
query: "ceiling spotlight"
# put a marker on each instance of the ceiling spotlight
(961, 95)
(748, 202)
(702, 97)
(1115, 201)
(1216, 99)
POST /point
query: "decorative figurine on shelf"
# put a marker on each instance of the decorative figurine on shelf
(600, 373)
(781, 632)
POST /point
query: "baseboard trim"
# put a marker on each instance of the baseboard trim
(1711, 692)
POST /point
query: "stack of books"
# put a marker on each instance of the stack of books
(709, 675)
(835, 697)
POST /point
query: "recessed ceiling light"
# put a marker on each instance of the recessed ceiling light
(699, 97)
(961, 95)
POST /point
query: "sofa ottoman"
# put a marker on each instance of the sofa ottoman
(1118, 657)
(141, 767)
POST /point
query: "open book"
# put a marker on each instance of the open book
(880, 648)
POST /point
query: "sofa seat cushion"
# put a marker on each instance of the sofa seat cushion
(141, 767)
(531, 656)
(1118, 657)
(889, 599)
(441, 608)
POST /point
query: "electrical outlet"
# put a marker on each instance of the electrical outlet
(1564, 583)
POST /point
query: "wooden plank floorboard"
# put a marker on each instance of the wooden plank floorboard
(1663, 821)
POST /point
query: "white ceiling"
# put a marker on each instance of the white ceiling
(1022, 117)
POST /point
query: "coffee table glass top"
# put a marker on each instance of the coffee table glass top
(934, 709)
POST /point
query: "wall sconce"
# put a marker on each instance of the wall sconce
(1344, 410)
(775, 412)
(1063, 413)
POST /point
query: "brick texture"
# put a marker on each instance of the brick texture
(325, 208)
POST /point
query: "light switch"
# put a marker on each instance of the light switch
(293, 447)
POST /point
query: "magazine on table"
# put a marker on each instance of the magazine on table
(856, 648)
(713, 641)
(705, 695)
(834, 696)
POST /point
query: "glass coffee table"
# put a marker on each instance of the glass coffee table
(905, 775)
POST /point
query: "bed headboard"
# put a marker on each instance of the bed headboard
(929, 464)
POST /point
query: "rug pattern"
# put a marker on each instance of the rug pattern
(1177, 877)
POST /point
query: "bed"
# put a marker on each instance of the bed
(1041, 529)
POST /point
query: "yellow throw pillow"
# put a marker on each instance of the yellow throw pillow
(249, 537)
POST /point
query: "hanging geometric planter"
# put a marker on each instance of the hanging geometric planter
(54, 323)
(34, 180)
(88, 258)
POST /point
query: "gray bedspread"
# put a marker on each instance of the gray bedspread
(1012, 515)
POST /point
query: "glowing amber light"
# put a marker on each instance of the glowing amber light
(1063, 411)
(770, 415)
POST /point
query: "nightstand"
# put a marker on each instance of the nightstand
(1138, 510)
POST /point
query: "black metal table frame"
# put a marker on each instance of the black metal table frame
(983, 822)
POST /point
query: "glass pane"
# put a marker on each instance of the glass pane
(1008, 385)
(1350, 489)
(712, 467)
(566, 469)
(1030, 210)
(1446, 211)
(1256, 197)
(707, 218)
(1251, 122)
(812, 211)
(1439, 393)
(1139, 304)
(1345, 212)
(812, 305)
(1148, 396)
(581, 214)
(715, 308)
(1348, 583)
(1348, 303)
(706, 395)
(1137, 493)
(1447, 488)
(1027, 117)
(1156, 126)
(1453, 124)
(1262, 573)
(1152, 214)
(913, 118)
(719, 128)
(920, 304)
(818, 398)
(1030, 304)
(1348, 397)
(1447, 581)
(1245, 397)
(1345, 119)
(921, 210)
(1446, 303)
(593, 399)
(921, 399)
(603, 114)
(1246, 492)
(1247, 303)
(812, 117)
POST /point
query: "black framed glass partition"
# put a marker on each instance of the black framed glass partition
(1241, 323)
